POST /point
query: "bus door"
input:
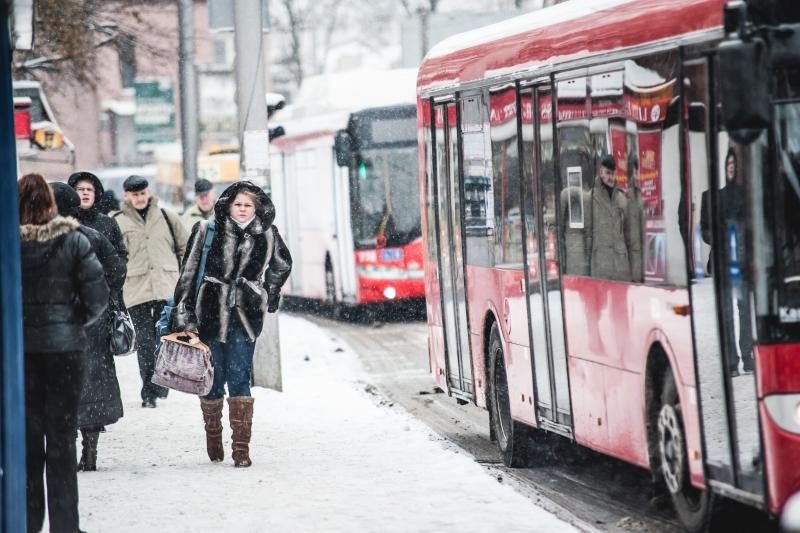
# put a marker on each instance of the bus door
(717, 174)
(546, 312)
(451, 252)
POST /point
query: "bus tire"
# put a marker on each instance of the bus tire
(511, 436)
(333, 305)
(695, 507)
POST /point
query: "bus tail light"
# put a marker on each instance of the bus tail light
(784, 409)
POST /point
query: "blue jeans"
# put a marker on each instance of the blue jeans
(233, 363)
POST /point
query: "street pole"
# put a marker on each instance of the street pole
(248, 20)
(188, 86)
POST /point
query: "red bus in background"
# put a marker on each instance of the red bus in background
(344, 185)
(676, 347)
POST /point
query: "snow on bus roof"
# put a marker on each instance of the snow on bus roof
(325, 102)
(560, 33)
(564, 12)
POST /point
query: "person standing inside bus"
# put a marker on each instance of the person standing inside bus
(156, 241)
(63, 291)
(203, 208)
(634, 218)
(732, 217)
(246, 266)
(606, 232)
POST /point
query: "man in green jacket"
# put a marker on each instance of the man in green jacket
(203, 208)
(156, 240)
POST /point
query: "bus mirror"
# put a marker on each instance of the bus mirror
(743, 86)
(784, 49)
(343, 146)
(276, 132)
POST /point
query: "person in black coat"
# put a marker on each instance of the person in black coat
(731, 215)
(101, 402)
(246, 266)
(90, 192)
(63, 291)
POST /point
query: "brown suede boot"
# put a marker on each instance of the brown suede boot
(240, 409)
(212, 416)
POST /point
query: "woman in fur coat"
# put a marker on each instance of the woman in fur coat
(246, 266)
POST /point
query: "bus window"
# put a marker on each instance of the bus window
(653, 171)
(577, 174)
(505, 179)
(479, 220)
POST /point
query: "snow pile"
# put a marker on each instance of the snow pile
(326, 457)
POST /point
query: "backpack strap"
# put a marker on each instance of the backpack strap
(172, 234)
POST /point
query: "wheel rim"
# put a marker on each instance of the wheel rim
(671, 445)
(501, 400)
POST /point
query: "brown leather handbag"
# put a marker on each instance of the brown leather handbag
(184, 364)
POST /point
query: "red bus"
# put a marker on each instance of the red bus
(351, 139)
(611, 216)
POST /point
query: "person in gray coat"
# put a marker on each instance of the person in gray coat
(606, 231)
(100, 402)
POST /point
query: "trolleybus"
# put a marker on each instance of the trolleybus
(345, 188)
(611, 218)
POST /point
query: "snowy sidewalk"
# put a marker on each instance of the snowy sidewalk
(326, 457)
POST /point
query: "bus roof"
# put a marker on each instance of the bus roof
(325, 102)
(563, 32)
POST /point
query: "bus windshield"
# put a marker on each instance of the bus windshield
(385, 197)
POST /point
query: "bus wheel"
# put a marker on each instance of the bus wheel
(693, 506)
(333, 306)
(511, 435)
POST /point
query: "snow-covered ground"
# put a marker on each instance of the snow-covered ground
(327, 457)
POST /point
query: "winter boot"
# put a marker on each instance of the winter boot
(88, 462)
(240, 409)
(212, 416)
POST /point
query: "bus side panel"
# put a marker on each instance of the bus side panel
(627, 436)
(778, 373)
(610, 329)
(587, 381)
(502, 290)
(782, 461)
(436, 355)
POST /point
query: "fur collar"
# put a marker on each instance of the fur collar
(46, 232)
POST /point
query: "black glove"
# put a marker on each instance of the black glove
(273, 299)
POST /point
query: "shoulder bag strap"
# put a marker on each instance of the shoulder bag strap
(171, 234)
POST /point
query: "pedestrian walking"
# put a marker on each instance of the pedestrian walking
(246, 266)
(90, 192)
(156, 240)
(100, 401)
(63, 291)
(203, 207)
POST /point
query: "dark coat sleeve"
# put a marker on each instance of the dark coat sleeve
(119, 243)
(92, 288)
(184, 317)
(280, 264)
(114, 269)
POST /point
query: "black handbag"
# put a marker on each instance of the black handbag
(123, 334)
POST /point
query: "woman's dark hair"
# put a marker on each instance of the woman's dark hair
(37, 205)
